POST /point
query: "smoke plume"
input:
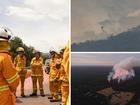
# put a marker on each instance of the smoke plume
(123, 70)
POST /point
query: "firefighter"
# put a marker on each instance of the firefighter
(60, 58)
(20, 64)
(37, 74)
(50, 61)
(9, 78)
(54, 77)
(64, 86)
(64, 77)
(51, 64)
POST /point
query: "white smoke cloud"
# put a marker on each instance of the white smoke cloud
(123, 70)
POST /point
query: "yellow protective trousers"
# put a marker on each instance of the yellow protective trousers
(22, 75)
(54, 88)
(40, 82)
(65, 92)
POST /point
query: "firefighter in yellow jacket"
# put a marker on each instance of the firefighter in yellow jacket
(54, 77)
(64, 86)
(20, 64)
(37, 74)
(52, 65)
(9, 78)
(64, 77)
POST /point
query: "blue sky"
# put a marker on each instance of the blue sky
(43, 24)
(101, 58)
(116, 16)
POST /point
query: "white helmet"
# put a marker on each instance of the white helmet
(5, 34)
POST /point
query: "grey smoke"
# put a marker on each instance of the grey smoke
(112, 14)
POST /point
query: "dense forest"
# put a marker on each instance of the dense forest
(16, 42)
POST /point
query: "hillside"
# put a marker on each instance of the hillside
(125, 41)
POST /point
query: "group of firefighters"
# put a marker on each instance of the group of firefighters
(11, 73)
(36, 68)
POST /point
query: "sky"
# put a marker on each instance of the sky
(101, 59)
(114, 16)
(43, 24)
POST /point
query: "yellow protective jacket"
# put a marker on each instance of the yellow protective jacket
(20, 63)
(52, 63)
(54, 73)
(63, 77)
(65, 61)
(66, 67)
(37, 67)
(9, 79)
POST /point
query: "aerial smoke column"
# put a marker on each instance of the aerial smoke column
(123, 70)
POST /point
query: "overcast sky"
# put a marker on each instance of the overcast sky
(114, 16)
(89, 59)
(43, 24)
